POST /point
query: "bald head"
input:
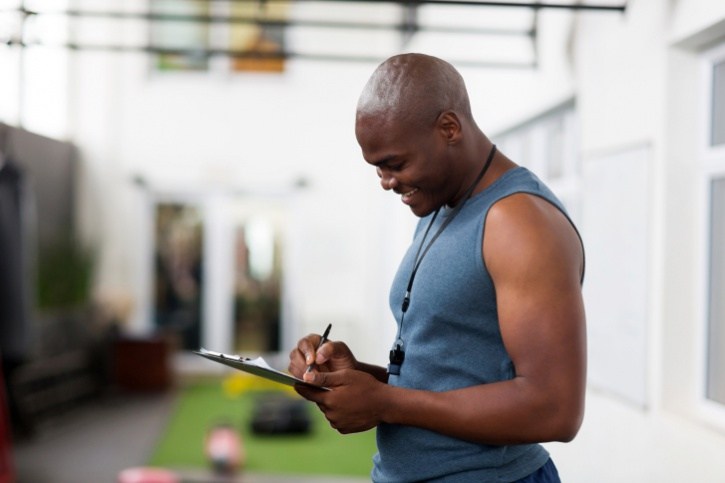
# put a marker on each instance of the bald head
(414, 88)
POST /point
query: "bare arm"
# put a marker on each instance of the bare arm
(535, 260)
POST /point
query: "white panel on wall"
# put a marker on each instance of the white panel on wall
(615, 232)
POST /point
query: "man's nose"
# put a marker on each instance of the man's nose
(387, 181)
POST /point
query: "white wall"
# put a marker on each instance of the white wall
(637, 86)
(696, 21)
(502, 98)
(621, 79)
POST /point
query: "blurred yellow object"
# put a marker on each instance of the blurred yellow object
(240, 383)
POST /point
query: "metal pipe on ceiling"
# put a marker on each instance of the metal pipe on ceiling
(244, 20)
(472, 3)
(466, 3)
(406, 26)
(239, 54)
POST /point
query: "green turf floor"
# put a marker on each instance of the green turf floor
(202, 405)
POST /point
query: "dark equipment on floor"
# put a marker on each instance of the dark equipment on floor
(278, 414)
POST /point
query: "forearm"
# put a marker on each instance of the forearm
(508, 412)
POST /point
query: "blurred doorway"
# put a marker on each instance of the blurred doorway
(258, 235)
(179, 243)
(217, 271)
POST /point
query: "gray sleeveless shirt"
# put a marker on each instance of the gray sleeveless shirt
(452, 340)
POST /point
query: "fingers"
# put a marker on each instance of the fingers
(308, 347)
(332, 356)
(328, 379)
(303, 355)
(311, 394)
(297, 364)
(314, 377)
(345, 406)
(325, 352)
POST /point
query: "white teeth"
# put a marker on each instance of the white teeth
(410, 193)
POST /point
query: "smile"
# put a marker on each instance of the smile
(406, 196)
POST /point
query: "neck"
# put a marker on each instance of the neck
(475, 177)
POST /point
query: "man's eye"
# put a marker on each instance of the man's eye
(389, 167)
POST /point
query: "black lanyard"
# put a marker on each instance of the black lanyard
(397, 355)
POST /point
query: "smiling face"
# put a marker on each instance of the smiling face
(409, 123)
(411, 160)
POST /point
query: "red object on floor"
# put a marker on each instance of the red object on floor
(7, 471)
(147, 475)
(224, 450)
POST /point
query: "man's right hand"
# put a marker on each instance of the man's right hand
(332, 356)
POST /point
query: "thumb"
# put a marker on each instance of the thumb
(327, 379)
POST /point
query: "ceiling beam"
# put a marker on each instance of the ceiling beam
(268, 22)
(467, 3)
(471, 3)
(240, 54)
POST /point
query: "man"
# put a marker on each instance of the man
(490, 357)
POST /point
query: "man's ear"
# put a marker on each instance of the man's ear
(449, 125)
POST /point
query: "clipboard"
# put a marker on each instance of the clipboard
(257, 366)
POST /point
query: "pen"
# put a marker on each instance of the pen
(322, 341)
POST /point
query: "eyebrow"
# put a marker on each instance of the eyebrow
(384, 161)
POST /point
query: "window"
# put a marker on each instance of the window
(713, 168)
(717, 122)
(198, 35)
(547, 144)
(183, 40)
(715, 387)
